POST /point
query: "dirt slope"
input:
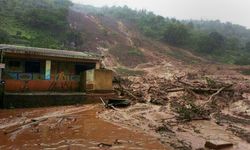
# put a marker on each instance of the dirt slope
(122, 45)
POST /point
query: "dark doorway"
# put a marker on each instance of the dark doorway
(32, 67)
(15, 64)
(83, 67)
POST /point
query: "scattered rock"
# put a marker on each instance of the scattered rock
(200, 148)
(181, 130)
(117, 142)
(104, 145)
(217, 144)
(158, 101)
(119, 102)
(163, 129)
(240, 132)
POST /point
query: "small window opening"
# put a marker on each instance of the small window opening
(83, 67)
(32, 67)
(14, 64)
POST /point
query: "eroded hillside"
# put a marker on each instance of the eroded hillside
(124, 48)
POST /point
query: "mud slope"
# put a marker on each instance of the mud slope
(121, 43)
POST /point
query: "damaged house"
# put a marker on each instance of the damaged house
(56, 76)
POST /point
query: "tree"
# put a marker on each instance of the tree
(176, 34)
(243, 60)
(217, 40)
(74, 39)
(233, 44)
(210, 43)
(4, 37)
(247, 47)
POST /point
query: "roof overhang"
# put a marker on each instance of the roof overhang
(44, 53)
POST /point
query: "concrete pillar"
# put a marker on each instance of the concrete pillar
(47, 69)
(98, 65)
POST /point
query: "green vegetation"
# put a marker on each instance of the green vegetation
(128, 72)
(246, 72)
(190, 111)
(43, 23)
(134, 52)
(180, 55)
(223, 42)
(40, 23)
(176, 34)
(128, 56)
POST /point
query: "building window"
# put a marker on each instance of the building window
(14, 64)
(83, 67)
(79, 69)
(32, 67)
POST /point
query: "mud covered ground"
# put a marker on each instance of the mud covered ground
(160, 122)
(188, 117)
(157, 119)
(71, 127)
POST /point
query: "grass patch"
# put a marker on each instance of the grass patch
(189, 111)
(245, 72)
(129, 72)
(135, 52)
(128, 56)
(181, 56)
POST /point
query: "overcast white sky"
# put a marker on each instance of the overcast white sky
(235, 11)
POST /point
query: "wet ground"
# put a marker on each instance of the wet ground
(160, 122)
(140, 126)
(71, 127)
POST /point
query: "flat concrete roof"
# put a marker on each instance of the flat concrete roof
(48, 52)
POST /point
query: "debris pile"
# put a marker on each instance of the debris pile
(174, 109)
(186, 90)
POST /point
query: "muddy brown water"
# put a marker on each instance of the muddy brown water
(80, 129)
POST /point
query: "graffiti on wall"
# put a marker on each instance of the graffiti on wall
(61, 86)
(61, 76)
(25, 86)
(25, 76)
(40, 85)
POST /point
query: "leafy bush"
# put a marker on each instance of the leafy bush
(191, 112)
(176, 34)
(128, 72)
(35, 23)
(243, 59)
(135, 52)
(246, 72)
(4, 37)
(46, 19)
(127, 55)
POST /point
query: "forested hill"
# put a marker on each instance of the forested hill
(60, 24)
(224, 42)
(40, 23)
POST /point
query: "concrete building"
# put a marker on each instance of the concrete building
(32, 71)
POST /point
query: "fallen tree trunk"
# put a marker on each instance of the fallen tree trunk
(32, 122)
(216, 93)
(105, 105)
(175, 90)
(130, 94)
(197, 89)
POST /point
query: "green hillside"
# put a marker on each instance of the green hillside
(222, 42)
(40, 23)
(44, 23)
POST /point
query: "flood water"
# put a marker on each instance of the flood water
(71, 127)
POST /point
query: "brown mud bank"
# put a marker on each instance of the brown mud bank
(70, 127)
